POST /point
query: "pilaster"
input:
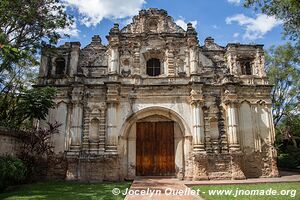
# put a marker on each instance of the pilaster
(112, 103)
(198, 121)
(86, 122)
(231, 102)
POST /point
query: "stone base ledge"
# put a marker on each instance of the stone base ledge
(89, 154)
(233, 165)
(101, 166)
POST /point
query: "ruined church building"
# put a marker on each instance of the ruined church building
(156, 102)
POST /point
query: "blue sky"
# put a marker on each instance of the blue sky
(225, 20)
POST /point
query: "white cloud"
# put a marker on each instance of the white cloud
(124, 21)
(183, 24)
(215, 26)
(255, 27)
(234, 1)
(235, 35)
(93, 12)
(71, 30)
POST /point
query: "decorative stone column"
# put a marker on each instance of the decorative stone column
(193, 60)
(199, 157)
(236, 156)
(113, 38)
(112, 137)
(102, 128)
(232, 120)
(231, 57)
(86, 120)
(170, 62)
(136, 60)
(114, 60)
(112, 103)
(268, 106)
(232, 126)
(76, 126)
(198, 122)
(75, 112)
(186, 63)
(259, 63)
(192, 41)
(272, 150)
(75, 52)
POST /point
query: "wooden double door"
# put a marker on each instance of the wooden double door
(155, 149)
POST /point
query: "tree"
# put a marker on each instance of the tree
(25, 25)
(285, 10)
(282, 66)
(26, 106)
(283, 69)
(289, 130)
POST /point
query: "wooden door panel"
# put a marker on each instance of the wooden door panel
(145, 148)
(165, 148)
(155, 148)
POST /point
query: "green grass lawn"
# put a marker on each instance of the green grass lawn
(293, 187)
(66, 190)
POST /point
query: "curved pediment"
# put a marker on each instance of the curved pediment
(152, 21)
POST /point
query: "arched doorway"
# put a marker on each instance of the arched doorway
(180, 138)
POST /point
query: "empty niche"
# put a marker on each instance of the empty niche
(152, 25)
(94, 130)
(214, 130)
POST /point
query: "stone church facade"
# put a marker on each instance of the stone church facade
(154, 102)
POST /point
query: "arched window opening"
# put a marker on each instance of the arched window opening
(60, 65)
(246, 68)
(153, 67)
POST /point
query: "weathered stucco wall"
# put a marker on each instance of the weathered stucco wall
(10, 143)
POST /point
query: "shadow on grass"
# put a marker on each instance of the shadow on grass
(66, 191)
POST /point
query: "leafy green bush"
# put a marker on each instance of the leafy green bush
(12, 171)
(290, 158)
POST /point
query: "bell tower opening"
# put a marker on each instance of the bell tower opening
(246, 67)
(60, 65)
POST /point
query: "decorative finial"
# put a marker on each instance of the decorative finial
(208, 41)
(115, 29)
(190, 29)
(96, 39)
